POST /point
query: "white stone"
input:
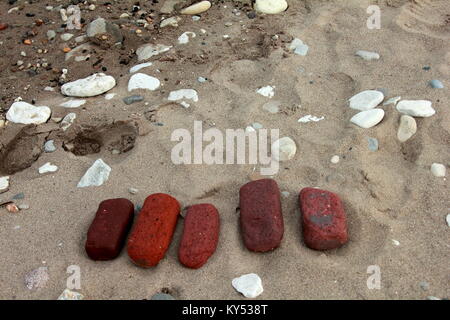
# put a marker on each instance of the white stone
(267, 91)
(335, 159)
(407, 128)
(96, 175)
(25, 113)
(438, 170)
(272, 106)
(197, 8)
(309, 118)
(173, 22)
(250, 285)
(184, 38)
(299, 47)
(368, 119)
(190, 94)
(368, 55)
(393, 101)
(70, 295)
(110, 96)
(448, 220)
(416, 108)
(366, 100)
(4, 184)
(91, 86)
(66, 36)
(73, 103)
(133, 190)
(270, 6)
(284, 149)
(143, 81)
(395, 242)
(49, 146)
(149, 50)
(138, 67)
(67, 121)
(48, 167)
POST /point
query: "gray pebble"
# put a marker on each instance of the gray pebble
(49, 146)
(51, 34)
(436, 84)
(162, 296)
(424, 285)
(132, 99)
(19, 196)
(373, 144)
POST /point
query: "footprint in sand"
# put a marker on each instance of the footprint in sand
(428, 17)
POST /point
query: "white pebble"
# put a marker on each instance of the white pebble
(190, 94)
(366, 100)
(368, 55)
(4, 184)
(250, 285)
(438, 170)
(72, 103)
(96, 175)
(143, 81)
(416, 108)
(184, 38)
(270, 6)
(25, 113)
(138, 67)
(368, 119)
(267, 91)
(93, 85)
(335, 159)
(309, 118)
(407, 128)
(197, 8)
(48, 167)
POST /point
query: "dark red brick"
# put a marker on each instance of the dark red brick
(3, 26)
(107, 233)
(261, 218)
(200, 235)
(324, 221)
(153, 230)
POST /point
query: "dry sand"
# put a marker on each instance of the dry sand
(389, 194)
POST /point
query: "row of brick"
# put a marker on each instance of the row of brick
(324, 225)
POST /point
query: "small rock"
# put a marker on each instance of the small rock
(72, 103)
(4, 184)
(184, 38)
(416, 108)
(373, 144)
(309, 118)
(366, 100)
(37, 278)
(285, 194)
(70, 295)
(138, 67)
(51, 34)
(436, 84)
(67, 121)
(335, 159)
(110, 96)
(104, 32)
(162, 296)
(172, 22)
(270, 6)
(91, 86)
(48, 167)
(432, 298)
(367, 55)
(190, 94)
(396, 242)
(143, 81)
(448, 220)
(96, 175)
(267, 91)
(424, 285)
(368, 119)
(197, 8)
(149, 50)
(132, 99)
(133, 190)
(438, 170)
(407, 128)
(195, 18)
(298, 47)
(66, 36)
(250, 285)
(202, 79)
(25, 113)
(12, 208)
(284, 149)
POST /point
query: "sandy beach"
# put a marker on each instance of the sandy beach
(396, 207)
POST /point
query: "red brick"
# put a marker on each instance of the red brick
(3, 26)
(153, 230)
(324, 221)
(261, 218)
(200, 235)
(107, 233)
